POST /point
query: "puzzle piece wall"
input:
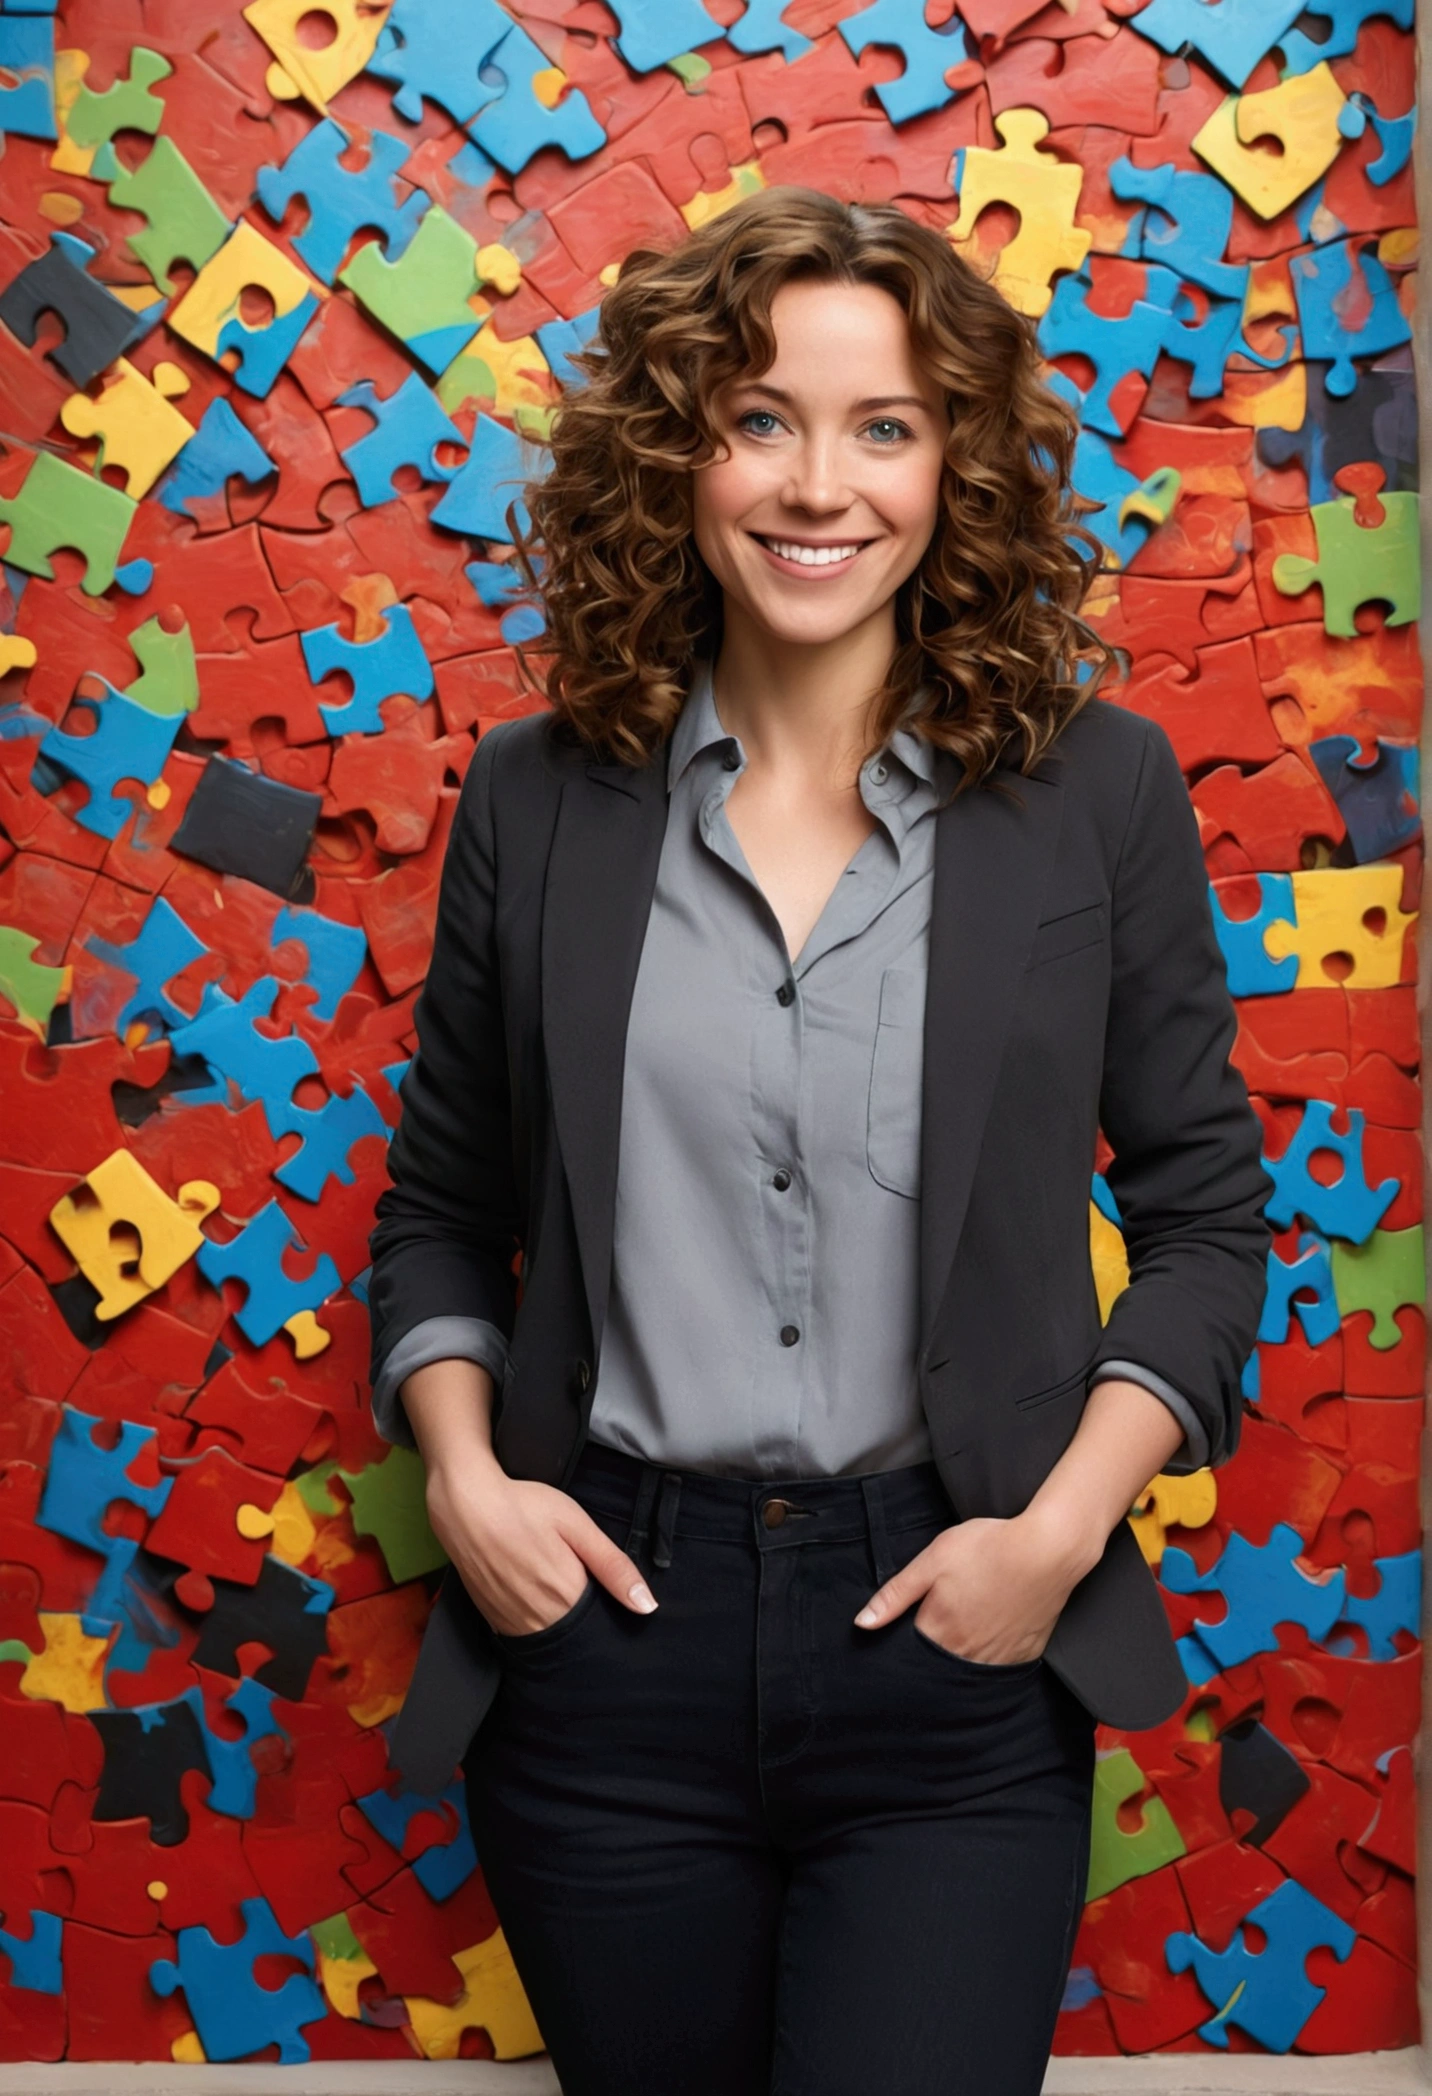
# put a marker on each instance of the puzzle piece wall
(279, 321)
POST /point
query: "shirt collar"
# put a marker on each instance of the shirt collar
(698, 727)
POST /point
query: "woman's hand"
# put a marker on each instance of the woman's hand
(524, 1550)
(989, 1590)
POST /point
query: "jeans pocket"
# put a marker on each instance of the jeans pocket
(516, 1642)
(994, 1670)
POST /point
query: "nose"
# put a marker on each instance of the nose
(816, 481)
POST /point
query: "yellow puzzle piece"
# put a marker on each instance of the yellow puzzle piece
(1352, 912)
(1172, 1502)
(212, 300)
(70, 1670)
(1301, 113)
(125, 1234)
(492, 2000)
(1045, 193)
(1110, 1261)
(137, 429)
(315, 73)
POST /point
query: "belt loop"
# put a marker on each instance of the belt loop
(879, 1535)
(641, 1512)
(666, 1517)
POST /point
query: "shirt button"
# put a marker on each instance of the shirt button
(785, 993)
(581, 1375)
(879, 773)
(732, 760)
(781, 1180)
(790, 1334)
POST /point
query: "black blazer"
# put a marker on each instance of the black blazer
(1075, 981)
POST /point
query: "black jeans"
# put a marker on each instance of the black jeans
(740, 1847)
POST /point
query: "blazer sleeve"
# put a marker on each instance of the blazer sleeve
(1187, 1174)
(448, 1225)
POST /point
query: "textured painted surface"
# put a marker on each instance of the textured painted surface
(241, 673)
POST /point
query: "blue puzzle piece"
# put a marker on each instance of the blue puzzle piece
(129, 742)
(1267, 1993)
(27, 50)
(1262, 1587)
(1114, 347)
(1250, 1383)
(82, 1480)
(408, 428)
(254, 1257)
(1252, 972)
(165, 946)
(1377, 797)
(264, 351)
(123, 1599)
(762, 29)
(1351, 1209)
(654, 32)
(335, 951)
(236, 1779)
(1345, 18)
(380, 669)
(928, 54)
(1104, 1200)
(340, 201)
(225, 1035)
(1397, 1605)
(559, 340)
(1323, 282)
(499, 465)
(220, 448)
(497, 582)
(1232, 36)
(518, 124)
(1394, 134)
(1192, 218)
(437, 49)
(447, 1864)
(1123, 524)
(35, 1959)
(329, 1133)
(1311, 1270)
(232, 2013)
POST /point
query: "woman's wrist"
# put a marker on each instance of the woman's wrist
(1061, 1533)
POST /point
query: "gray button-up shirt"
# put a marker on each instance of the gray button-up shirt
(763, 1316)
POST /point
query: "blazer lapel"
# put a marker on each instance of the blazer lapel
(993, 858)
(600, 879)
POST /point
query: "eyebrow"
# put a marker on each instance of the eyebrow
(883, 400)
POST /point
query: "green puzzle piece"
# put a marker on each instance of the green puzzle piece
(1356, 565)
(389, 1502)
(422, 298)
(30, 986)
(169, 682)
(127, 106)
(1114, 1856)
(61, 506)
(1384, 1275)
(185, 224)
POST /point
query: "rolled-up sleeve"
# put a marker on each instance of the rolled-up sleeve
(435, 1339)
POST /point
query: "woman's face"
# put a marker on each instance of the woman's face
(827, 493)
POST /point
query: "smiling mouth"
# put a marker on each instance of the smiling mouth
(837, 553)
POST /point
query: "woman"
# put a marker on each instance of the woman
(783, 975)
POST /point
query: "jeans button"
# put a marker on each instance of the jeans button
(773, 1513)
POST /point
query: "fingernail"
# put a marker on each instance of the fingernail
(868, 1615)
(643, 1597)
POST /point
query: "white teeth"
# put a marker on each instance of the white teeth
(812, 556)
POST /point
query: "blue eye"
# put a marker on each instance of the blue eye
(889, 422)
(741, 420)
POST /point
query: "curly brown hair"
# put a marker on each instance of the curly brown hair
(988, 623)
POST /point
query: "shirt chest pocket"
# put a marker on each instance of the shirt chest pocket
(892, 1129)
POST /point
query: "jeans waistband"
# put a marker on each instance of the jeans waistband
(776, 1513)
